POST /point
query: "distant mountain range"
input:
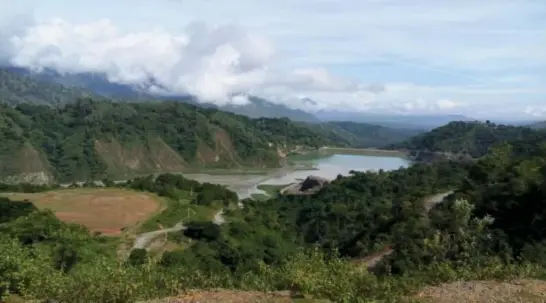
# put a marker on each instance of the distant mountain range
(100, 85)
(94, 83)
(393, 121)
(49, 131)
(538, 125)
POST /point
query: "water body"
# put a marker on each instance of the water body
(341, 164)
(327, 167)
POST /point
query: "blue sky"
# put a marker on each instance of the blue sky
(481, 58)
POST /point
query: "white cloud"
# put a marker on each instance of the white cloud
(496, 49)
(536, 111)
(211, 63)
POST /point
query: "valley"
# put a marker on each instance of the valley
(327, 165)
(115, 201)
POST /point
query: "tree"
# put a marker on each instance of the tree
(137, 257)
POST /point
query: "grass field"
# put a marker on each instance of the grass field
(104, 210)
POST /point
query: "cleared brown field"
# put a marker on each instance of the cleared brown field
(104, 210)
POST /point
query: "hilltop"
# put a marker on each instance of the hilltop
(472, 139)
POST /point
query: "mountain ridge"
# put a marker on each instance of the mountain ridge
(99, 84)
(97, 139)
(471, 139)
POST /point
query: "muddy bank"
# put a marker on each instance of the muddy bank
(328, 168)
(244, 185)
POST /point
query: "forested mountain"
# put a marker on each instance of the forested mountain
(16, 89)
(416, 122)
(369, 135)
(258, 107)
(538, 125)
(93, 139)
(471, 138)
(16, 79)
(51, 132)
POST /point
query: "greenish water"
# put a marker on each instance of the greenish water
(341, 164)
(329, 166)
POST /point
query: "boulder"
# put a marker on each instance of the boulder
(312, 183)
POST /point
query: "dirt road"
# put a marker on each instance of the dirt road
(143, 240)
(430, 201)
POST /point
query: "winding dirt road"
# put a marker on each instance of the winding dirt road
(143, 240)
(373, 259)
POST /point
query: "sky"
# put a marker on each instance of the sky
(484, 59)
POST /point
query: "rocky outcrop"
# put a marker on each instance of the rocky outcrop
(312, 183)
(309, 186)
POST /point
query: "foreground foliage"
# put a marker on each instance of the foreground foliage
(490, 228)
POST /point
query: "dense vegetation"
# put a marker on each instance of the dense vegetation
(94, 139)
(17, 89)
(472, 138)
(20, 84)
(52, 132)
(364, 135)
(491, 227)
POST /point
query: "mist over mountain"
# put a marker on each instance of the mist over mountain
(99, 84)
(242, 104)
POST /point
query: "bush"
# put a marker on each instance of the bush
(207, 231)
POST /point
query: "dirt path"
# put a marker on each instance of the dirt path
(143, 240)
(219, 218)
(228, 296)
(430, 201)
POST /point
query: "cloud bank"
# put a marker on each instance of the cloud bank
(291, 58)
(212, 63)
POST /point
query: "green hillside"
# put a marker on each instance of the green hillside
(313, 246)
(23, 83)
(472, 139)
(368, 135)
(52, 132)
(16, 89)
(95, 139)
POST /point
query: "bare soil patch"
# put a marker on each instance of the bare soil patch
(230, 296)
(104, 210)
(525, 291)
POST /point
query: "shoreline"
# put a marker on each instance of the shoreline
(246, 182)
(364, 151)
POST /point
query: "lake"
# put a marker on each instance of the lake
(328, 167)
(341, 164)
